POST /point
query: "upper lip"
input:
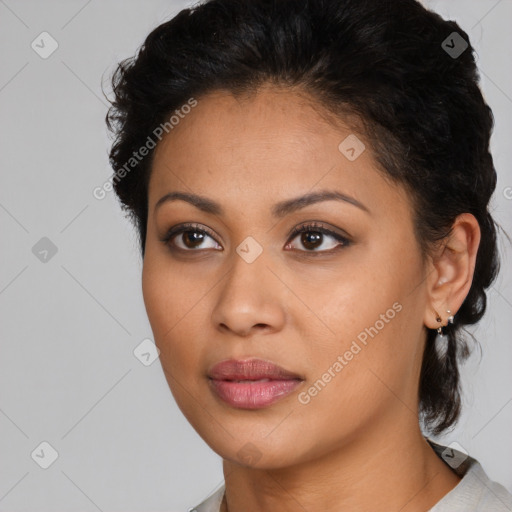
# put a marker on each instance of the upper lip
(250, 369)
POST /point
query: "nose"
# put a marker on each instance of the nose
(250, 300)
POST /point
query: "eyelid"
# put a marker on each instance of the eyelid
(343, 238)
(187, 226)
(322, 228)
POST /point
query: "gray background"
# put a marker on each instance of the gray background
(68, 375)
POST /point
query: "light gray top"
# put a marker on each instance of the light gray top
(474, 493)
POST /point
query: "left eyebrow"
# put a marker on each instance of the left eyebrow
(291, 205)
(278, 210)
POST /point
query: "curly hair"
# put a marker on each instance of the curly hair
(383, 62)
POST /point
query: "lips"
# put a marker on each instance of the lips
(251, 383)
(250, 369)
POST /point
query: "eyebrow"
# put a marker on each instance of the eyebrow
(278, 210)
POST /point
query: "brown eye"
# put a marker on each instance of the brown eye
(311, 239)
(315, 238)
(192, 239)
(189, 238)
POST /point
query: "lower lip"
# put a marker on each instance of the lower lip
(254, 394)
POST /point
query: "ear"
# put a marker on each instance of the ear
(451, 271)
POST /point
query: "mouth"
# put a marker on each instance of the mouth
(251, 383)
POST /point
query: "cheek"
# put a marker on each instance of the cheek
(176, 310)
(366, 372)
(171, 314)
(164, 309)
(168, 297)
(371, 319)
(158, 297)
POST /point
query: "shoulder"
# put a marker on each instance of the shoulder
(211, 503)
(476, 492)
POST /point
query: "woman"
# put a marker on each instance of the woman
(310, 181)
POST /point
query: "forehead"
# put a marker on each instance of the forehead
(222, 123)
(275, 143)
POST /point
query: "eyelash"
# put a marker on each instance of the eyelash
(316, 227)
(313, 227)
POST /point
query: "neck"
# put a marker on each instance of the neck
(395, 471)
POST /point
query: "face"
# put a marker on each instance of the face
(339, 306)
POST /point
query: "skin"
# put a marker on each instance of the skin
(356, 445)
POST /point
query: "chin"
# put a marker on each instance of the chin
(252, 449)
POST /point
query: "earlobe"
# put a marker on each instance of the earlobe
(453, 266)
